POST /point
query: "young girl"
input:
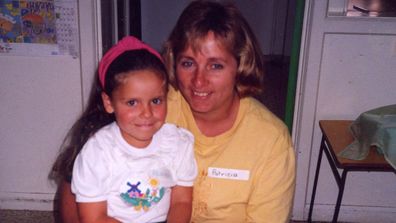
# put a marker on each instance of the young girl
(132, 167)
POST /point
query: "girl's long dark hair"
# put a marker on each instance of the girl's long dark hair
(95, 116)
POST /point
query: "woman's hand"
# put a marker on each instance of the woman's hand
(67, 204)
(94, 212)
(181, 205)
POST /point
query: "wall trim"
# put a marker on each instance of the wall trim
(27, 201)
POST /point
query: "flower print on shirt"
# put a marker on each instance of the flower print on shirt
(143, 200)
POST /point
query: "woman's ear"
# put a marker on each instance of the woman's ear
(107, 103)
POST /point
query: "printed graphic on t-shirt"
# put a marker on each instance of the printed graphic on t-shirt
(142, 196)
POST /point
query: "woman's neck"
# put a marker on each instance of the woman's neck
(217, 122)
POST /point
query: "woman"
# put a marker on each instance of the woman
(244, 152)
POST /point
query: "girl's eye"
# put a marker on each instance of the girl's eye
(157, 101)
(131, 102)
(217, 66)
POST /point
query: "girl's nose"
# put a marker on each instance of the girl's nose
(147, 111)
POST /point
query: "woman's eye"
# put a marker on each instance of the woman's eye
(186, 63)
(157, 101)
(131, 102)
(217, 66)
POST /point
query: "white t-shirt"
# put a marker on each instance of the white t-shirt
(135, 182)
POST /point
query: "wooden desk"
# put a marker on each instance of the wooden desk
(335, 137)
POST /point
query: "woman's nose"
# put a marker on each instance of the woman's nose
(199, 78)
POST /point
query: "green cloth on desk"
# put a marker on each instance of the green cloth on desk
(376, 127)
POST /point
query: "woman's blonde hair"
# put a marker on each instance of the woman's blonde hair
(230, 28)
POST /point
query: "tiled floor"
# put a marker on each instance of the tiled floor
(13, 216)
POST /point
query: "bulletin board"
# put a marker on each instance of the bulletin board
(39, 27)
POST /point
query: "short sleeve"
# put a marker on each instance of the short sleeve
(186, 169)
(90, 173)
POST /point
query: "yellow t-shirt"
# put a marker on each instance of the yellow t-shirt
(246, 174)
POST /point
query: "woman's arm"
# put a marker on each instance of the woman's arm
(67, 204)
(272, 197)
(71, 212)
(181, 205)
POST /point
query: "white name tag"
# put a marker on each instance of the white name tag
(231, 174)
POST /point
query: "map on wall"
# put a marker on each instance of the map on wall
(38, 27)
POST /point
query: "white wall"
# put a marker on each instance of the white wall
(348, 67)
(40, 97)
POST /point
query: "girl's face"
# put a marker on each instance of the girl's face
(206, 77)
(139, 106)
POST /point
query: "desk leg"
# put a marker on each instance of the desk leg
(322, 145)
(341, 186)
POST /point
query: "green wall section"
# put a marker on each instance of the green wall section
(293, 68)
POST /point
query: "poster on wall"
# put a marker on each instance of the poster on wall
(39, 27)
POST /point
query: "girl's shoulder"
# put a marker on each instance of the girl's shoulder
(174, 139)
(173, 132)
(103, 138)
(107, 132)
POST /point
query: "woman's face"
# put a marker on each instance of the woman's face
(206, 77)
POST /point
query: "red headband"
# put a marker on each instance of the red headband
(127, 43)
